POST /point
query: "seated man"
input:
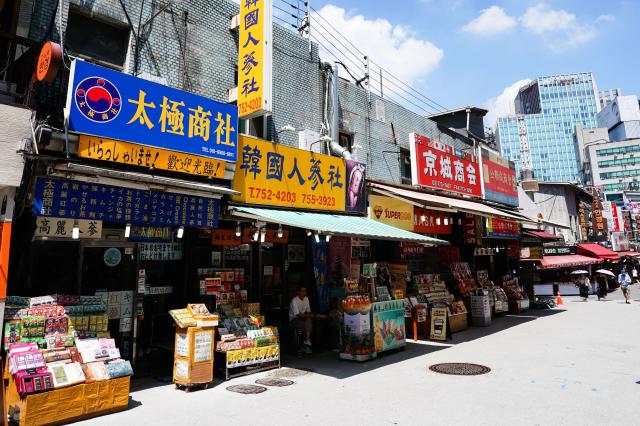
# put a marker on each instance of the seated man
(301, 318)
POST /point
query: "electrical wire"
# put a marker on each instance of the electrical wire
(430, 107)
(285, 12)
(435, 105)
(285, 22)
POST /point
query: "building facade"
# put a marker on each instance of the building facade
(547, 111)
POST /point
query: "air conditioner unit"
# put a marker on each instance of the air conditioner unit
(232, 95)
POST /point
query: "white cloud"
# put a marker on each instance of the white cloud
(395, 47)
(540, 19)
(491, 21)
(558, 28)
(605, 18)
(502, 104)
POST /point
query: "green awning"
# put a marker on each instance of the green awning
(334, 224)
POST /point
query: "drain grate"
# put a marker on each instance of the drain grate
(290, 372)
(275, 382)
(246, 389)
(460, 369)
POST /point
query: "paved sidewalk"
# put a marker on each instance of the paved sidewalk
(576, 365)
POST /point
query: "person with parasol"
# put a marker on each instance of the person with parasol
(583, 283)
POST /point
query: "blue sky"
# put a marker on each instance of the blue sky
(470, 51)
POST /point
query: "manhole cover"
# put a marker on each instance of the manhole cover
(460, 369)
(246, 389)
(274, 382)
(290, 372)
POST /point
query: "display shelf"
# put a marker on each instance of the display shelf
(230, 371)
(458, 322)
(68, 404)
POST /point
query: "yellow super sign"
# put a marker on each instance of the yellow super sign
(96, 148)
(272, 174)
(254, 58)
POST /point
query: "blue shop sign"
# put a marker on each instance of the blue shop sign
(110, 104)
(86, 200)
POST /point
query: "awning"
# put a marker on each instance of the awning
(438, 201)
(334, 224)
(598, 251)
(553, 262)
(628, 253)
(542, 235)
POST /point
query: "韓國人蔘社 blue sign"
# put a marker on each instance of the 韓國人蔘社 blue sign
(110, 104)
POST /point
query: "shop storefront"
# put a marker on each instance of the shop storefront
(301, 217)
(108, 235)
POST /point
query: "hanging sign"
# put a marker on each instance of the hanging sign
(160, 251)
(272, 174)
(433, 223)
(150, 233)
(391, 211)
(85, 200)
(496, 227)
(440, 166)
(599, 225)
(225, 237)
(110, 104)
(95, 148)
(255, 58)
(58, 227)
(49, 61)
(470, 229)
(499, 181)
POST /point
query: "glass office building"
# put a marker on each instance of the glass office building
(551, 107)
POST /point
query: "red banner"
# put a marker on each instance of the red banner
(431, 222)
(499, 179)
(440, 166)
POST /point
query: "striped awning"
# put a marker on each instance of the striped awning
(554, 262)
(334, 224)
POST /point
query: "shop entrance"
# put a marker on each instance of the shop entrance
(110, 267)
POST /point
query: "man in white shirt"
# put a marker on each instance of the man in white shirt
(301, 318)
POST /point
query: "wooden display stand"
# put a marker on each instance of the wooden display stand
(458, 322)
(193, 357)
(69, 404)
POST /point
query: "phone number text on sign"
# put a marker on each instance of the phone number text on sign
(263, 194)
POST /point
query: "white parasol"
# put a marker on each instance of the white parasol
(580, 272)
(605, 272)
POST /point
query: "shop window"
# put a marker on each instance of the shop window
(405, 166)
(253, 127)
(108, 43)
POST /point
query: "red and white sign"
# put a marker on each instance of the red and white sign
(470, 229)
(618, 222)
(499, 178)
(440, 166)
(433, 223)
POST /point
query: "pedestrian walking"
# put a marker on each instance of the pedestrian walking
(602, 287)
(625, 282)
(634, 275)
(584, 284)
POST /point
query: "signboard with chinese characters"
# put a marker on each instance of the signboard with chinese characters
(160, 251)
(600, 232)
(106, 103)
(391, 211)
(271, 236)
(272, 174)
(131, 154)
(582, 220)
(254, 58)
(225, 237)
(84, 200)
(440, 166)
(496, 227)
(57, 227)
(150, 233)
(499, 178)
(607, 213)
(433, 223)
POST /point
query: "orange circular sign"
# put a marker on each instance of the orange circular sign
(48, 62)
